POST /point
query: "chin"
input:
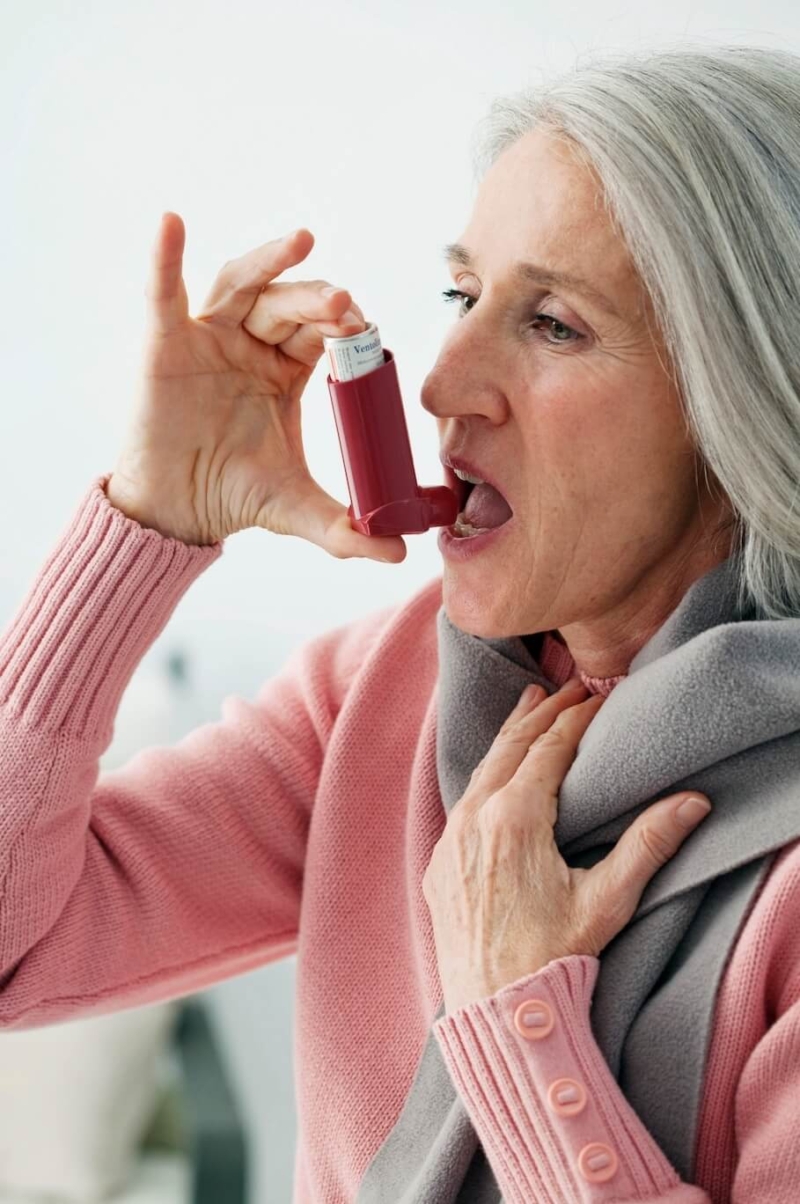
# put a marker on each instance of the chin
(483, 612)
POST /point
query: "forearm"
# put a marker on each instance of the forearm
(101, 599)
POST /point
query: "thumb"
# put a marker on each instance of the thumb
(648, 844)
(165, 291)
(319, 518)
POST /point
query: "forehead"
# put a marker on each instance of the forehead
(540, 202)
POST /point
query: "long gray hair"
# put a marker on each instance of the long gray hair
(698, 152)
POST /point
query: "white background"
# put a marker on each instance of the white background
(249, 119)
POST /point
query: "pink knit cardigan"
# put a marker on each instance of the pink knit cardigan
(302, 823)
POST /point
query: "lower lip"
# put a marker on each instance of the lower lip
(459, 548)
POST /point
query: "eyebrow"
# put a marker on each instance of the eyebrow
(534, 273)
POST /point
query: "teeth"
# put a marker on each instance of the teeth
(462, 528)
(464, 476)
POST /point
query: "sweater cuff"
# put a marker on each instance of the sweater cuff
(553, 1121)
(101, 599)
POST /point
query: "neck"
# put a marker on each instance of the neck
(604, 646)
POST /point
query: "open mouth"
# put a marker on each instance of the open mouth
(461, 488)
(462, 525)
(488, 509)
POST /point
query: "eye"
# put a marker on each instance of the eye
(559, 330)
(455, 294)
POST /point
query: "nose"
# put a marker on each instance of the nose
(463, 379)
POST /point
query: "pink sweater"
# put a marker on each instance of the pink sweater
(303, 822)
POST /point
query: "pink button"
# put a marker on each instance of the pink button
(534, 1019)
(566, 1097)
(597, 1162)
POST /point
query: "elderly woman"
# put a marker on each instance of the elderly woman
(526, 969)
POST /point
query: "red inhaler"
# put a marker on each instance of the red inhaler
(373, 439)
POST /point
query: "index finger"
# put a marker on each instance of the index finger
(526, 722)
(240, 281)
(286, 305)
(552, 751)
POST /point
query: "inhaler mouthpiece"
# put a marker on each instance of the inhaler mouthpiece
(373, 439)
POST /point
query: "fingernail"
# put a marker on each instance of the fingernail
(691, 811)
(330, 290)
(349, 318)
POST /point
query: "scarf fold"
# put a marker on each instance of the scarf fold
(710, 703)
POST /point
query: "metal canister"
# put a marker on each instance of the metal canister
(355, 355)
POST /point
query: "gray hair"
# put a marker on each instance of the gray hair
(698, 152)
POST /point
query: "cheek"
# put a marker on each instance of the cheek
(607, 424)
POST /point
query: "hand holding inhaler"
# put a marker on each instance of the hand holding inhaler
(215, 446)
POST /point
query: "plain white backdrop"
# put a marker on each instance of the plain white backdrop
(250, 119)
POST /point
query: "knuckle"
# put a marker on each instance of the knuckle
(515, 733)
(493, 805)
(538, 782)
(655, 844)
(551, 738)
(243, 272)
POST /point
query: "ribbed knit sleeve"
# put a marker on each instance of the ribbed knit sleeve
(553, 1122)
(98, 604)
(184, 867)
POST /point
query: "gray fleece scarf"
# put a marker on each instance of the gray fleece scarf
(712, 703)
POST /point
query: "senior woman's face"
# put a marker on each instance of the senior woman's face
(557, 390)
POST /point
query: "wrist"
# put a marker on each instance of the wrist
(147, 513)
